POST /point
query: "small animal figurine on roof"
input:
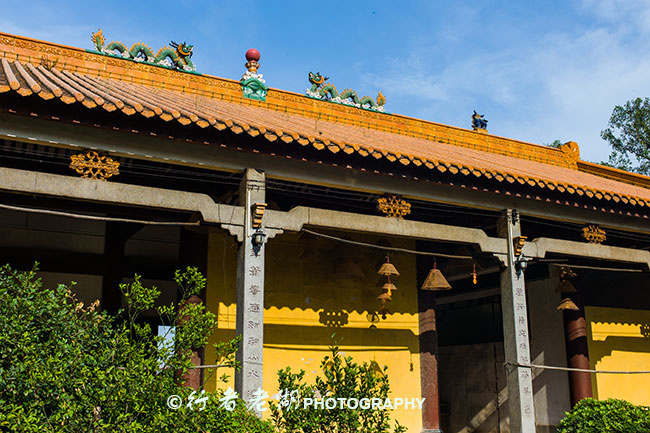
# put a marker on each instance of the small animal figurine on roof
(479, 122)
(327, 91)
(176, 57)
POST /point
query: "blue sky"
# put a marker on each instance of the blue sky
(539, 71)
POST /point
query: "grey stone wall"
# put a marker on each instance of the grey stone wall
(547, 347)
(473, 390)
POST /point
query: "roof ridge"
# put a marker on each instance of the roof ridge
(93, 64)
(245, 115)
(90, 62)
(613, 173)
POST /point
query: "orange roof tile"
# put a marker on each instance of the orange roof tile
(115, 84)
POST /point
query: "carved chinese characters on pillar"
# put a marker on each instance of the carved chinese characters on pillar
(250, 291)
(254, 271)
(521, 321)
(252, 325)
(516, 334)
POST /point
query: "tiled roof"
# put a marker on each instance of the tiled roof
(554, 170)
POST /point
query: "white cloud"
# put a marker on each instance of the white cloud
(629, 12)
(563, 85)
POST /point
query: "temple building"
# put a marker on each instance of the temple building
(465, 262)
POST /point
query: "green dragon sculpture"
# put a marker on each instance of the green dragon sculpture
(327, 91)
(178, 56)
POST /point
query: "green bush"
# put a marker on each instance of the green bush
(606, 416)
(342, 378)
(66, 367)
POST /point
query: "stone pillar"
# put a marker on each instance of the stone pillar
(429, 361)
(577, 352)
(115, 238)
(250, 291)
(515, 332)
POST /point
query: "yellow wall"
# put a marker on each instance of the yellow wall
(306, 303)
(619, 339)
(221, 298)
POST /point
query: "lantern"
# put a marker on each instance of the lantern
(389, 287)
(387, 270)
(567, 304)
(566, 288)
(435, 280)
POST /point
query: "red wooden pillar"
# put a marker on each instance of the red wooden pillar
(577, 351)
(194, 378)
(193, 251)
(429, 361)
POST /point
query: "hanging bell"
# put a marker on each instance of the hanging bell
(567, 304)
(435, 281)
(565, 286)
(388, 269)
(384, 297)
(389, 287)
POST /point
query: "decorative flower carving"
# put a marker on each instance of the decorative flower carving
(594, 234)
(393, 206)
(92, 165)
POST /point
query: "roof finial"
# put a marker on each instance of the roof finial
(253, 58)
(252, 83)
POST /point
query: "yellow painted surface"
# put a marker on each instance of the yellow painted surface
(308, 305)
(619, 339)
(220, 298)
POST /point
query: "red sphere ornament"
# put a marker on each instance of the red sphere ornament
(252, 55)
